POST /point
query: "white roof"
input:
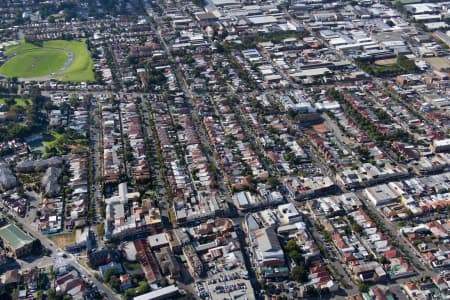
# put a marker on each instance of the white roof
(440, 143)
(165, 291)
(224, 2)
(157, 240)
(262, 20)
(311, 72)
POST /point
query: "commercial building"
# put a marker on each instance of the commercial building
(15, 240)
(380, 194)
(268, 253)
(168, 292)
(441, 145)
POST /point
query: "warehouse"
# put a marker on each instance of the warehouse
(15, 240)
(168, 292)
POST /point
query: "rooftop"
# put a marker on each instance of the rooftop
(15, 237)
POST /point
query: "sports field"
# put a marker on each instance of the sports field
(60, 60)
(385, 62)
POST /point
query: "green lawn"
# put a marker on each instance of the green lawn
(34, 63)
(19, 48)
(82, 67)
(59, 143)
(54, 139)
(19, 102)
(28, 61)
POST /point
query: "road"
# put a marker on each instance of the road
(200, 130)
(348, 286)
(343, 140)
(71, 259)
(393, 231)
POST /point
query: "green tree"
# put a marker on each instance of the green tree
(130, 293)
(363, 287)
(114, 282)
(300, 274)
(36, 247)
(100, 230)
(143, 287)
(273, 182)
(356, 228)
(384, 260)
(40, 295)
(110, 273)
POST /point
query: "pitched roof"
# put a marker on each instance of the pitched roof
(267, 240)
(15, 236)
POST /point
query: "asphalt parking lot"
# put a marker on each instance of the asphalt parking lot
(225, 285)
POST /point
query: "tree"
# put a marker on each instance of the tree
(129, 293)
(273, 182)
(291, 245)
(110, 273)
(36, 247)
(300, 274)
(143, 287)
(39, 295)
(52, 295)
(294, 252)
(356, 228)
(296, 256)
(101, 230)
(114, 282)
(384, 260)
(51, 273)
(363, 287)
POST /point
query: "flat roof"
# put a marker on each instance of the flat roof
(312, 72)
(158, 294)
(258, 20)
(15, 236)
(441, 143)
(224, 2)
(157, 239)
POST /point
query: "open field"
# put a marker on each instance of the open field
(34, 63)
(22, 102)
(20, 48)
(63, 239)
(18, 102)
(53, 140)
(438, 63)
(384, 62)
(60, 60)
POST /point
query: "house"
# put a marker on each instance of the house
(111, 266)
(11, 278)
(125, 282)
(369, 272)
(103, 257)
(7, 179)
(167, 262)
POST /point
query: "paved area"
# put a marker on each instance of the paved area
(225, 284)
